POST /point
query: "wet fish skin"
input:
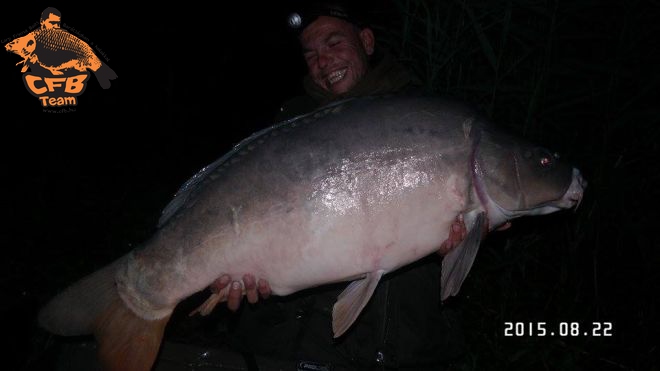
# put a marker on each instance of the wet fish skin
(348, 193)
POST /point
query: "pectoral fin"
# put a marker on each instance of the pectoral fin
(457, 263)
(352, 300)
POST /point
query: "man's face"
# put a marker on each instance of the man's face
(337, 53)
(52, 21)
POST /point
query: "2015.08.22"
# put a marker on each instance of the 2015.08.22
(559, 329)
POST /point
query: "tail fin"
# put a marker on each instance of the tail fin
(92, 305)
(73, 311)
(104, 74)
(126, 341)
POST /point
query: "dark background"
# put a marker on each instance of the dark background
(79, 189)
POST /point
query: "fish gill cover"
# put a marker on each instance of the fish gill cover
(56, 63)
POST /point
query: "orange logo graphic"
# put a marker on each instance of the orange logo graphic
(58, 62)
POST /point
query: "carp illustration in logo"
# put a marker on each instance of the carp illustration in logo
(53, 51)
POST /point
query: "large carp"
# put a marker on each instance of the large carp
(349, 192)
(59, 51)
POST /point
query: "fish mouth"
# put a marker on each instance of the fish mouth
(336, 76)
(570, 200)
(573, 196)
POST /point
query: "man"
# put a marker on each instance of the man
(342, 59)
(403, 327)
(338, 53)
(50, 18)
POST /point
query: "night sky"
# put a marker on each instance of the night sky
(81, 188)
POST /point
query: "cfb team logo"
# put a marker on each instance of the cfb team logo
(57, 64)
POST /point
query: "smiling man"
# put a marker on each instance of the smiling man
(337, 53)
(342, 58)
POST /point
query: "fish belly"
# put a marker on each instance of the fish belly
(296, 250)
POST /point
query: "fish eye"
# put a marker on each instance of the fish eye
(546, 158)
(545, 161)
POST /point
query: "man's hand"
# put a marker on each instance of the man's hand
(457, 233)
(253, 289)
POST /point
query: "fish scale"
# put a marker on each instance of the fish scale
(59, 51)
(57, 46)
(57, 39)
